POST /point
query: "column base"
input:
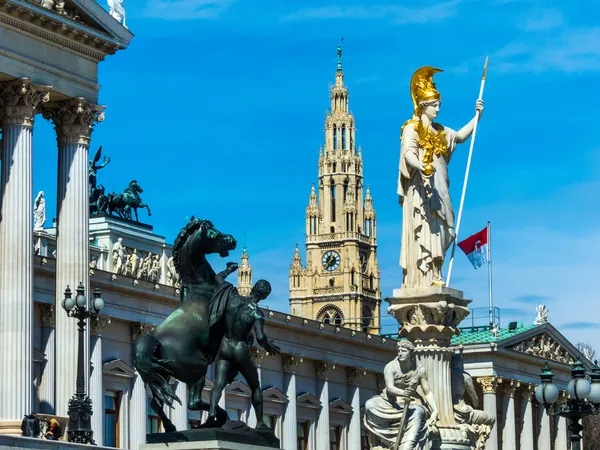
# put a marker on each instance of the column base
(453, 438)
(12, 427)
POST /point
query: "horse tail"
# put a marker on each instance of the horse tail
(151, 367)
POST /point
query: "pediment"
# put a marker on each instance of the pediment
(340, 406)
(272, 394)
(82, 25)
(546, 344)
(118, 368)
(238, 388)
(38, 355)
(308, 400)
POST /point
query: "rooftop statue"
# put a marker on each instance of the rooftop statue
(95, 192)
(423, 183)
(117, 11)
(122, 204)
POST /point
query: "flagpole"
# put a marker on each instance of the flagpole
(489, 258)
(464, 191)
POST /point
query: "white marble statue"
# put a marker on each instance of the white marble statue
(464, 398)
(47, 4)
(406, 386)
(423, 183)
(172, 275)
(39, 212)
(118, 256)
(542, 315)
(117, 11)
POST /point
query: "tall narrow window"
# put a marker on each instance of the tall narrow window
(335, 438)
(353, 278)
(335, 137)
(371, 282)
(343, 137)
(332, 201)
(112, 403)
(345, 189)
(302, 436)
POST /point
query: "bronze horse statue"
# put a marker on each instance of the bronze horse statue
(184, 345)
(129, 199)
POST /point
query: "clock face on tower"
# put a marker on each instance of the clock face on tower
(331, 260)
(363, 261)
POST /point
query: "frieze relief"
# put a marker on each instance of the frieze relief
(543, 346)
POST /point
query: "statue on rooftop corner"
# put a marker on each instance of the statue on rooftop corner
(117, 11)
(98, 200)
(123, 203)
(404, 415)
(423, 183)
(39, 212)
(542, 315)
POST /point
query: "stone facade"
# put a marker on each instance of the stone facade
(340, 282)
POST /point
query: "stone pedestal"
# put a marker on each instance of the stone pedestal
(213, 439)
(429, 317)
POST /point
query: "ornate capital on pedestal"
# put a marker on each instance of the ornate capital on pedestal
(48, 313)
(98, 323)
(488, 384)
(19, 101)
(137, 329)
(355, 374)
(290, 362)
(323, 368)
(258, 355)
(74, 119)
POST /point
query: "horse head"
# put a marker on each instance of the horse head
(134, 187)
(197, 239)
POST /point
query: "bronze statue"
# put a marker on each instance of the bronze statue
(122, 204)
(96, 193)
(239, 315)
(184, 345)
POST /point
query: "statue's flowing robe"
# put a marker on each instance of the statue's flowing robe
(427, 217)
(383, 414)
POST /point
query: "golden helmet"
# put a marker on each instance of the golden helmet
(422, 87)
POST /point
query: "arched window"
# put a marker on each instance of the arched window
(326, 318)
(345, 188)
(337, 319)
(331, 282)
(335, 137)
(332, 201)
(367, 318)
(353, 278)
(332, 229)
(371, 282)
(343, 137)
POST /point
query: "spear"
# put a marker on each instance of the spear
(464, 190)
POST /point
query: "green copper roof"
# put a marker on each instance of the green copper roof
(485, 336)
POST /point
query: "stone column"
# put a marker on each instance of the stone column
(290, 421)
(97, 378)
(323, 368)
(527, 417)
(489, 385)
(544, 441)
(74, 120)
(509, 434)
(19, 102)
(179, 414)
(139, 397)
(561, 442)
(48, 373)
(258, 356)
(354, 375)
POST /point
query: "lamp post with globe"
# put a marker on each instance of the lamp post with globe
(80, 406)
(583, 401)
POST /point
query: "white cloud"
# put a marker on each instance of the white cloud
(397, 14)
(186, 9)
(542, 19)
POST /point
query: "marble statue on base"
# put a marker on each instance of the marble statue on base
(423, 183)
(477, 423)
(542, 315)
(117, 11)
(118, 256)
(39, 212)
(405, 402)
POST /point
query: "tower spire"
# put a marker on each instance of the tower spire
(339, 55)
(244, 273)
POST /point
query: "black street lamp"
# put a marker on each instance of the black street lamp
(583, 401)
(80, 406)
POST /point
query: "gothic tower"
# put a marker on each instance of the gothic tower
(244, 285)
(340, 282)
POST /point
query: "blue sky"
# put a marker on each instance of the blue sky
(217, 109)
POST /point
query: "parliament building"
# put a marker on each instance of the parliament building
(332, 349)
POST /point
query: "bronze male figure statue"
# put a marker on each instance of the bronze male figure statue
(239, 315)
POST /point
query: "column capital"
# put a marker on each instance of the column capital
(510, 386)
(291, 362)
(48, 315)
(355, 374)
(489, 384)
(74, 119)
(258, 355)
(323, 368)
(137, 329)
(527, 390)
(19, 101)
(98, 323)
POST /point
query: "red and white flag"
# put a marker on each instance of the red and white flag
(476, 248)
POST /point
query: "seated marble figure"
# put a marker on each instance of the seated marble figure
(406, 393)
